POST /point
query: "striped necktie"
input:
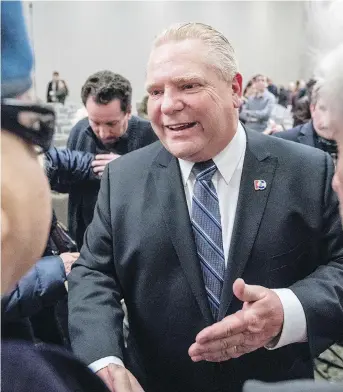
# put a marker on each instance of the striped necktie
(207, 230)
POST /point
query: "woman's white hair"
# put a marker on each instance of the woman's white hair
(327, 21)
(220, 52)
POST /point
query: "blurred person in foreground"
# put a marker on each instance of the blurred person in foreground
(26, 131)
(222, 281)
(329, 72)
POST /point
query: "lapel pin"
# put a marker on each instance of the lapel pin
(260, 185)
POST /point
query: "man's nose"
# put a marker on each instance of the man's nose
(171, 103)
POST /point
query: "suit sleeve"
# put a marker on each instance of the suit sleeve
(95, 312)
(321, 293)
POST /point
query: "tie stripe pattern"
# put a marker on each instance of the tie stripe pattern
(207, 230)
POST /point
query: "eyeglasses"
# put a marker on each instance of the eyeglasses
(32, 122)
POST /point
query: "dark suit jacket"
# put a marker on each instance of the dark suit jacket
(82, 197)
(26, 368)
(304, 134)
(140, 246)
(293, 386)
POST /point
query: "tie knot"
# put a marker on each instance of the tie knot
(204, 170)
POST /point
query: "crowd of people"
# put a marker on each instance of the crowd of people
(204, 249)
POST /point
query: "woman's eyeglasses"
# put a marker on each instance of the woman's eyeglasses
(32, 122)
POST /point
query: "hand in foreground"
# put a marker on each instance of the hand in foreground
(101, 160)
(255, 325)
(68, 260)
(119, 379)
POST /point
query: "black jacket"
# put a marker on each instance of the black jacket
(83, 197)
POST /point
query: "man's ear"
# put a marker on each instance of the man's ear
(237, 90)
(129, 111)
(312, 108)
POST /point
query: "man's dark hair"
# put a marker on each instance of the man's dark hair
(105, 86)
(56, 73)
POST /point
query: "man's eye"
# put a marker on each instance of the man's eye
(155, 92)
(189, 86)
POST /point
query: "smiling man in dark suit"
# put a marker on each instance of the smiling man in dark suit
(179, 223)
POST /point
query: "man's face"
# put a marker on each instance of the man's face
(55, 77)
(321, 121)
(192, 110)
(260, 83)
(25, 208)
(108, 121)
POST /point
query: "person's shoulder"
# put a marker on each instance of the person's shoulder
(290, 134)
(286, 150)
(81, 125)
(29, 368)
(140, 123)
(269, 95)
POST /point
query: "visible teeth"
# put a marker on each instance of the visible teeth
(181, 126)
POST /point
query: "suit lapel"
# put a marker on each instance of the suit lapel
(306, 135)
(175, 213)
(258, 165)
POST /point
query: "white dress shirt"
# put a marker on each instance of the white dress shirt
(227, 180)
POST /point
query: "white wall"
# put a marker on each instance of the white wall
(78, 38)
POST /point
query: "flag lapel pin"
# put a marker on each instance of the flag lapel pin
(260, 185)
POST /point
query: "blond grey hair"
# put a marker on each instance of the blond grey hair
(327, 30)
(221, 54)
(331, 70)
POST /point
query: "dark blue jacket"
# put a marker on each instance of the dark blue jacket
(43, 286)
(66, 168)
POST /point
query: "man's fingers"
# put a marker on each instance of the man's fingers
(248, 293)
(223, 347)
(231, 325)
(105, 157)
(135, 385)
(120, 380)
(101, 162)
(98, 169)
(106, 377)
(76, 255)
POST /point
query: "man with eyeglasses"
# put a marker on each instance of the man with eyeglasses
(27, 130)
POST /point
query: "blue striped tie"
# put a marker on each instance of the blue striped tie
(208, 232)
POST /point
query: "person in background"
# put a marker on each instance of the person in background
(257, 110)
(109, 131)
(272, 88)
(142, 108)
(57, 89)
(317, 131)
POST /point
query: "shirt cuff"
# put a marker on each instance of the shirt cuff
(294, 328)
(103, 362)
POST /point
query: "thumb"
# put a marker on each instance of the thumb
(246, 292)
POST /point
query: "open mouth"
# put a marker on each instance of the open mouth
(181, 127)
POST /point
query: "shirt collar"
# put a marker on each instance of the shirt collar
(226, 161)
